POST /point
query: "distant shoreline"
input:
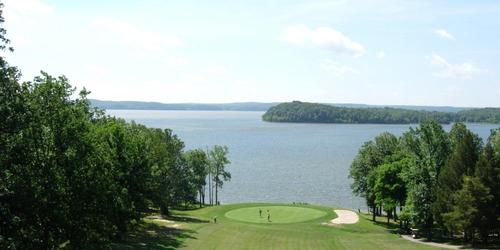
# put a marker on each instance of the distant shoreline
(305, 112)
(247, 106)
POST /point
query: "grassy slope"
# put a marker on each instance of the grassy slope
(201, 233)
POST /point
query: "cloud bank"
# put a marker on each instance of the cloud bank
(444, 34)
(449, 70)
(323, 37)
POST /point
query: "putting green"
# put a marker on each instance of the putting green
(279, 214)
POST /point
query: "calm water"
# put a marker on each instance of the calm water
(277, 162)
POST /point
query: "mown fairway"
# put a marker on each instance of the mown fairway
(278, 214)
(240, 227)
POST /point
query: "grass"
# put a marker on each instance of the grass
(240, 227)
(278, 214)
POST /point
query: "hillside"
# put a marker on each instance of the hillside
(322, 113)
(240, 106)
(246, 106)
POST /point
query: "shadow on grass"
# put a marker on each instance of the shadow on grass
(391, 227)
(186, 219)
(149, 235)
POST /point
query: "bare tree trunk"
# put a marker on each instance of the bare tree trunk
(199, 191)
(210, 188)
(216, 186)
(203, 195)
(374, 213)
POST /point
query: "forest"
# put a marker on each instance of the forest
(446, 184)
(73, 177)
(323, 113)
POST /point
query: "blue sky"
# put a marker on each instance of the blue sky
(374, 52)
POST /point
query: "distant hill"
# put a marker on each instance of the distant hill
(323, 113)
(240, 106)
(246, 106)
(408, 107)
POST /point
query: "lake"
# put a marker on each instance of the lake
(277, 162)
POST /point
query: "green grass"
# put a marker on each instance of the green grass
(239, 227)
(278, 214)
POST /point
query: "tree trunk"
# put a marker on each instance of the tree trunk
(374, 213)
(216, 177)
(395, 214)
(388, 213)
(210, 188)
(200, 196)
(203, 195)
(164, 210)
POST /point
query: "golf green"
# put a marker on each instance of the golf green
(278, 214)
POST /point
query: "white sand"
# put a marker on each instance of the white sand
(345, 217)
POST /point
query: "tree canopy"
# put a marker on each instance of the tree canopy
(322, 113)
(438, 179)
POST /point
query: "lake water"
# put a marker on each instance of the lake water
(277, 162)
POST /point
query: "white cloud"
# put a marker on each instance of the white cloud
(448, 70)
(175, 61)
(381, 54)
(22, 16)
(25, 10)
(323, 37)
(444, 34)
(336, 68)
(130, 35)
(216, 70)
(212, 73)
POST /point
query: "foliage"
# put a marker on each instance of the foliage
(198, 162)
(449, 180)
(71, 176)
(470, 207)
(363, 168)
(390, 188)
(218, 162)
(322, 113)
(428, 148)
(466, 147)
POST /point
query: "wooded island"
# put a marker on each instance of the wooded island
(323, 113)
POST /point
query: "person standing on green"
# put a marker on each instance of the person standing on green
(268, 216)
(260, 212)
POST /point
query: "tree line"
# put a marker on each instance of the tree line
(73, 177)
(322, 113)
(446, 182)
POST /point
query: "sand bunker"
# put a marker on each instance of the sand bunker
(345, 217)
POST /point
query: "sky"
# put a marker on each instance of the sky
(386, 52)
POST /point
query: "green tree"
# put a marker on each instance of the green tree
(428, 149)
(466, 147)
(488, 172)
(468, 210)
(197, 161)
(219, 161)
(390, 188)
(371, 155)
